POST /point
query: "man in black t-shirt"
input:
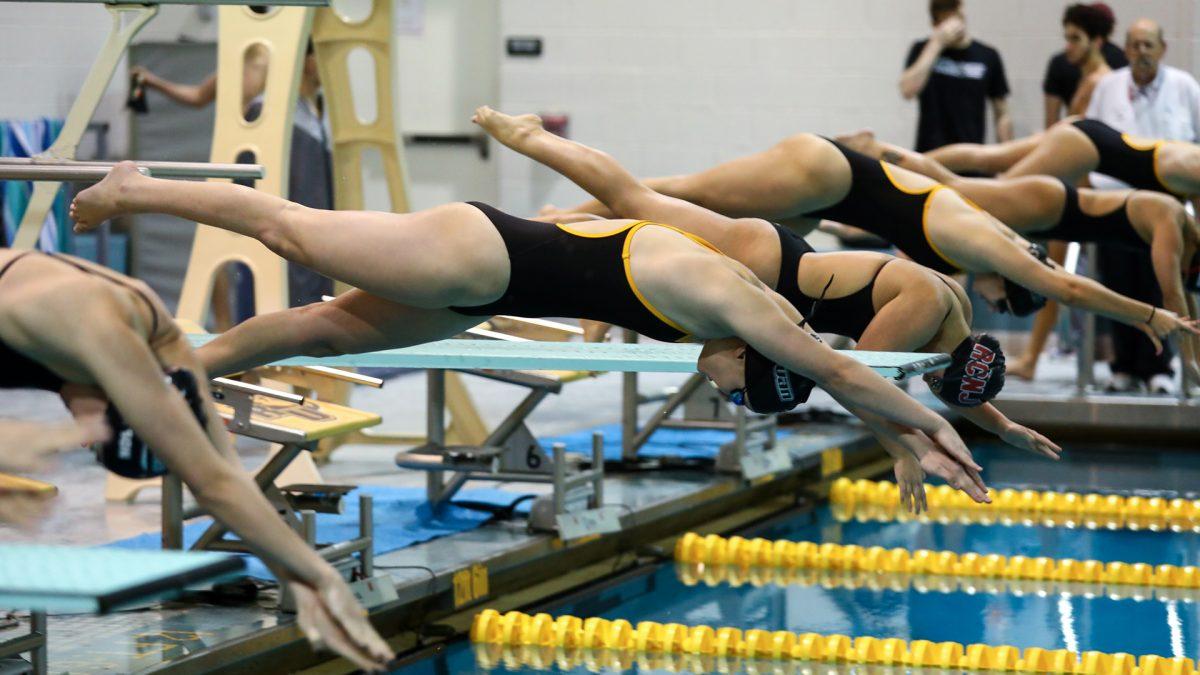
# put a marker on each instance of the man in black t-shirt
(1062, 78)
(954, 77)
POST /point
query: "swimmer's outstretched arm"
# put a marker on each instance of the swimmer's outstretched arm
(23, 445)
(732, 305)
(892, 329)
(989, 418)
(909, 446)
(124, 367)
(991, 249)
(1167, 253)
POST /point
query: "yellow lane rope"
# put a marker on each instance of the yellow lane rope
(694, 574)
(647, 637)
(880, 500)
(717, 550)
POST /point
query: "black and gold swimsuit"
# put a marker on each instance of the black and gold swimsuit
(1124, 157)
(556, 270)
(880, 205)
(848, 315)
(1113, 228)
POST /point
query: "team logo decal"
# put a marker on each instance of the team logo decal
(976, 374)
(783, 384)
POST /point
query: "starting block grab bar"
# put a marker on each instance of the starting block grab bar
(599, 357)
(72, 171)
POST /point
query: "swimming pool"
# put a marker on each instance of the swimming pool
(1078, 617)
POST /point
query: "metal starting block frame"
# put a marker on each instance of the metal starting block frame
(237, 403)
(753, 452)
(511, 453)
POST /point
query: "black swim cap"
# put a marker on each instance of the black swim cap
(771, 388)
(1018, 300)
(975, 374)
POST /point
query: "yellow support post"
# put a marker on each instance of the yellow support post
(283, 32)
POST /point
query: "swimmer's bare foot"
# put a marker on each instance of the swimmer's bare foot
(594, 331)
(509, 130)
(861, 141)
(549, 210)
(1022, 369)
(102, 201)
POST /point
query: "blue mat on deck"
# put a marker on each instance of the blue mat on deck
(684, 444)
(402, 518)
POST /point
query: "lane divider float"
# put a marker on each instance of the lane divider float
(647, 637)
(695, 574)
(880, 500)
(716, 550)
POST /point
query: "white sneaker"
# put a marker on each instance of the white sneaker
(1163, 385)
(1123, 383)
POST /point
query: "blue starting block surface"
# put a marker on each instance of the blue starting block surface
(601, 357)
(97, 580)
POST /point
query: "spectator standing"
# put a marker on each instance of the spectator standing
(1154, 100)
(953, 77)
(1062, 76)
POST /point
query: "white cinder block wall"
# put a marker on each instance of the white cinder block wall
(45, 54)
(666, 85)
(672, 86)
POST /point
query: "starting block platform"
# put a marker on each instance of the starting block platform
(65, 579)
(99, 580)
(598, 357)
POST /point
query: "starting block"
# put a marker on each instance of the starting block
(298, 424)
(510, 451)
(45, 579)
(752, 453)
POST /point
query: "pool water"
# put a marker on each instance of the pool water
(963, 611)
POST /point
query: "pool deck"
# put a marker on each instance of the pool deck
(193, 638)
(522, 567)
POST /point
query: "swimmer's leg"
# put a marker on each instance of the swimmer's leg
(1025, 366)
(923, 164)
(1064, 152)
(601, 175)
(984, 159)
(352, 323)
(419, 259)
(800, 174)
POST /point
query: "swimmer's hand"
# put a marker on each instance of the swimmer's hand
(956, 476)
(1028, 439)
(910, 478)
(1189, 357)
(948, 440)
(331, 618)
(24, 445)
(1164, 322)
